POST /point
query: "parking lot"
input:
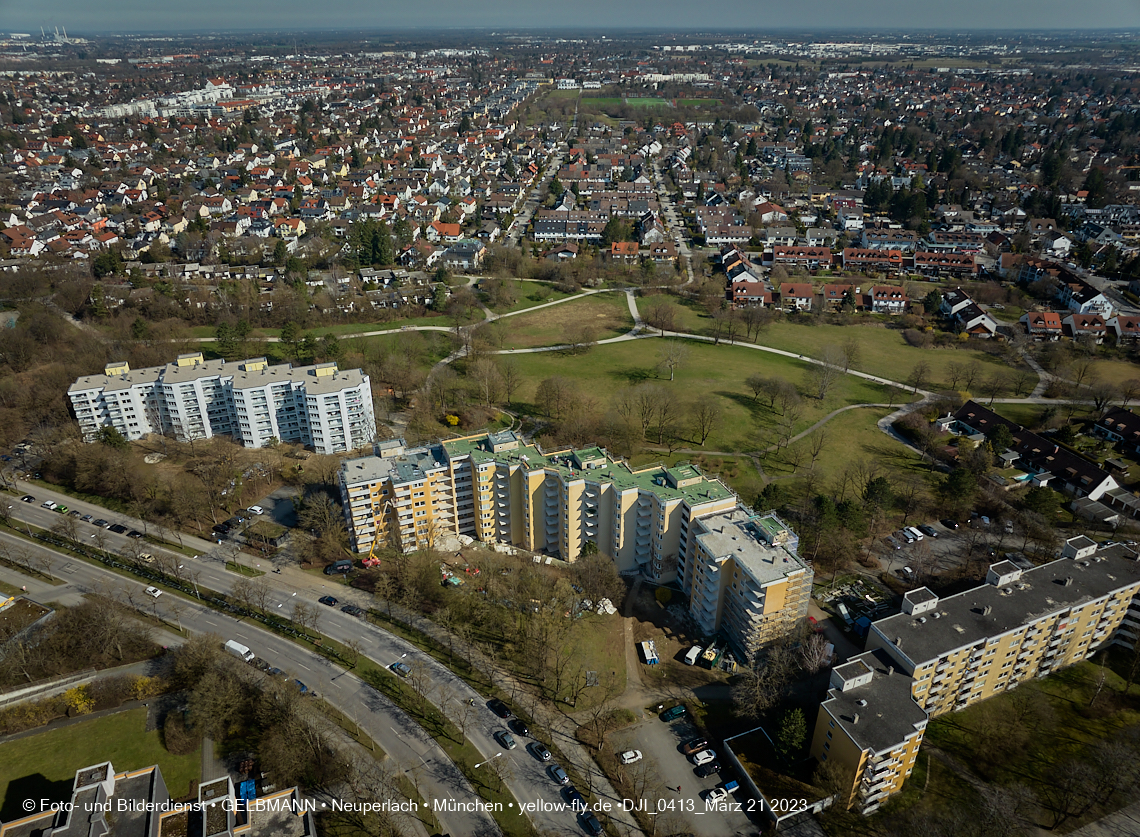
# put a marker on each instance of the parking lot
(661, 743)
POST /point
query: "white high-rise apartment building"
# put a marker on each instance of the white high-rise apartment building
(321, 406)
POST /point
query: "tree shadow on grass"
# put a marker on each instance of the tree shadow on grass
(637, 375)
(37, 787)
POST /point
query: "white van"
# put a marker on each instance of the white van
(693, 655)
(239, 650)
(913, 532)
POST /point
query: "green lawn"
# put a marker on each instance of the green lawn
(646, 102)
(697, 103)
(44, 765)
(601, 101)
(344, 329)
(1116, 371)
(709, 371)
(530, 294)
(607, 314)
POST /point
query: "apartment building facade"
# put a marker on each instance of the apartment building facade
(321, 406)
(953, 652)
(652, 521)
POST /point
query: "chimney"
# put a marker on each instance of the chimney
(855, 718)
(898, 642)
(890, 670)
(987, 610)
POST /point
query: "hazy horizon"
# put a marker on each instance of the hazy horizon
(965, 16)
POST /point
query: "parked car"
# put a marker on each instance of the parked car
(118, 528)
(903, 534)
(573, 797)
(949, 523)
(558, 774)
(499, 708)
(715, 794)
(153, 591)
(708, 769)
(673, 713)
(702, 757)
(892, 541)
(540, 751)
(60, 509)
(87, 518)
(28, 498)
(257, 509)
(590, 823)
(76, 513)
(101, 523)
(913, 532)
(694, 745)
(134, 533)
(630, 756)
(304, 689)
(506, 739)
(353, 610)
(1009, 527)
(520, 727)
(328, 600)
(928, 530)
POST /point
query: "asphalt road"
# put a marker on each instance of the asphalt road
(405, 742)
(528, 781)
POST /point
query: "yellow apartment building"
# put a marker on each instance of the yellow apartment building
(1021, 624)
(666, 523)
(870, 726)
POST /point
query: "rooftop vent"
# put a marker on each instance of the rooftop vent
(922, 620)
(1069, 581)
(860, 703)
(855, 718)
(987, 610)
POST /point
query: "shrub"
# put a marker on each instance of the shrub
(177, 738)
(79, 700)
(663, 595)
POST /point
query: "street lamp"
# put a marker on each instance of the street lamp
(488, 761)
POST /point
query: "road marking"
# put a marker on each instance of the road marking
(305, 667)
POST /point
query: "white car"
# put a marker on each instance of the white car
(703, 757)
(257, 509)
(630, 756)
(716, 795)
(153, 591)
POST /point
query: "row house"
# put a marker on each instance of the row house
(1089, 326)
(886, 239)
(949, 264)
(1126, 328)
(796, 296)
(746, 294)
(885, 261)
(808, 258)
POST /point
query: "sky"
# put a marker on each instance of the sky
(80, 16)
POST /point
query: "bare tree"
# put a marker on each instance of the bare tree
(512, 378)
(1129, 391)
(815, 653)
(672, 356)
(850, 350)
(919, 375)
(822, 376)
(704, 416)
(816, 443)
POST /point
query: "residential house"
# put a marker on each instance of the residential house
(835, 296)
(1122, 427)
(1043, 325)
(888, 299)
(1082, 298)
(972, 320)
(808, 258)
(623, 251)
(884, 261)
(1126, 328)
(954, 301)
(938, 264)
(796, 296)
(749, 293)
(1089, 326)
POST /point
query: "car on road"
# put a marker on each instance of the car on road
(400, 669)
(630, 756)
(353, 610)
(60, 509)
(499, 708)
(519, 727)
(540, 751)
(673, 713)
(927, 530)
(715, 794)
(707, 769)
(87, 518)
(328, 600)
(702, 757)
(257, 509)
(153, 591)
(28, 498)
(505, 738)
(134, 533)
(76, 513)
(694, 745)
(47, 504)
(275, 672)
(558, 774)
(100, 522)
(575, 799)
(118, 528)
(949, 523)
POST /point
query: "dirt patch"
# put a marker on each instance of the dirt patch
(670, 634)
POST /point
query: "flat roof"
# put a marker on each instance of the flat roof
(411, 466)
(736, 534)
(888, 713)
(963, 619)
(172, 373)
